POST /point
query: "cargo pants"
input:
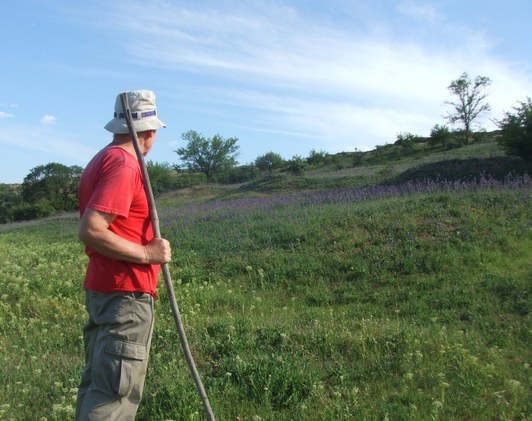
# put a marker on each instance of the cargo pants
(117, 338)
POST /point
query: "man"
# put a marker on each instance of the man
(123, 268)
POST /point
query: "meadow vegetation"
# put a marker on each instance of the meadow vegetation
(328, 296)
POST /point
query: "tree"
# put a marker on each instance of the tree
(269, 162)
(208, 156)
(54, 184)
(516, 131)
(470, 100)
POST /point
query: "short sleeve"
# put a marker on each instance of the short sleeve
(114, 191)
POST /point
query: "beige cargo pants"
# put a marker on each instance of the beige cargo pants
(117, 339)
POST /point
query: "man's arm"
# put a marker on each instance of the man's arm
(94, 232)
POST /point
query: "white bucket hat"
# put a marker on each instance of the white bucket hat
(143, 113)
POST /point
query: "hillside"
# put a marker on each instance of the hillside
(388, 165)
(415, 160)
(336, 294)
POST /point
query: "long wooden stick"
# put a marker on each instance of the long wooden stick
(164, 267)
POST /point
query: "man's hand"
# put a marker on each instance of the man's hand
(158, 251)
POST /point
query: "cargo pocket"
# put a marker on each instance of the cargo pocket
(131, 363)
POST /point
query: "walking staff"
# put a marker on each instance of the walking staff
(166, 271)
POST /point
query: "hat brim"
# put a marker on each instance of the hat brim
(119, 125)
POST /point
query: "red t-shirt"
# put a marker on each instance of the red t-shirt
(112, 183)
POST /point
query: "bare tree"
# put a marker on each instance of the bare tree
(470, 100)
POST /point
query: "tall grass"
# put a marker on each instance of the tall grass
(385, 303)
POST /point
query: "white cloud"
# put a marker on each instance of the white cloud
(48, 120)
(4, 115)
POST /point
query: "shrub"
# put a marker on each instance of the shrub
(440, 134)
(238, 174)
(161, 176)
(296, 165)
(9, 199)
(269, 162)
(40, 209)
(406, 140)
(317, 158)
(185, 179)
(516, 131)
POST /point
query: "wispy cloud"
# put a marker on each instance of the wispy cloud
(306, 74)
(290, 52)
(47, 143)
(421, 11)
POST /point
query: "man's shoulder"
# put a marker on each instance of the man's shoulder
(111, 162)
(116, 156)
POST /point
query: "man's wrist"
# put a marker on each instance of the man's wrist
(146, 255)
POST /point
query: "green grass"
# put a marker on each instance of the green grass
(409, 308)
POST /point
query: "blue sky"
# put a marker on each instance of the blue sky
(281, 76)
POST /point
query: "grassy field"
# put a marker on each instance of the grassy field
(403, 302)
